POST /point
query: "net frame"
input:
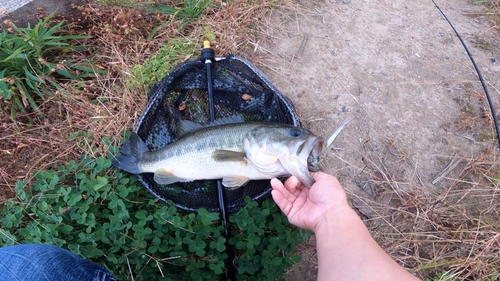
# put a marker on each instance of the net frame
(239, 88)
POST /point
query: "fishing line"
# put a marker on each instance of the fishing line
(495, 121)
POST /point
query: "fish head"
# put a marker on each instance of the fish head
(282, 149)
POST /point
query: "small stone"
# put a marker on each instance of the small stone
(493, 60)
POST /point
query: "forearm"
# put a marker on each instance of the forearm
(346, 251)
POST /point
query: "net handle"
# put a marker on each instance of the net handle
(208, 57)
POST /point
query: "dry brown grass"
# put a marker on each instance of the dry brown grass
(495, 7)
(428, 232)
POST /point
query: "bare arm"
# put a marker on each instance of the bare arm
(346, 250)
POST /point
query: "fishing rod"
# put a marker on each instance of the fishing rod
(488, 97)
(208, 57)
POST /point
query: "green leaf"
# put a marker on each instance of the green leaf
(22, 88)
(13, 55)
(73, 199)
(140, 215)
(168, 10)
(36, 90)
(296, 258)
(276, 261)
(31, 76)
(100, 183)
(68, 74)
(22, 56)
(7, 237)
(209, 34)
(3, 86)
(221, 247)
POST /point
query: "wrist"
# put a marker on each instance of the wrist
(335, 220)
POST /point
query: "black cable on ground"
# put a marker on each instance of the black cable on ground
(493, 113)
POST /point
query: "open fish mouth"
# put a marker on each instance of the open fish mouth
(312, 146)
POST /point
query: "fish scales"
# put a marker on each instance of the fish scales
(192, 154)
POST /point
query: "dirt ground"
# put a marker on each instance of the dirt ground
(398, 69)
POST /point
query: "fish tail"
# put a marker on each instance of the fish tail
(131, 155)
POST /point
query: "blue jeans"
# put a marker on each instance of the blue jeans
(48, 263)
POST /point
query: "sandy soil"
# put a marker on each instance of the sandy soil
(397, 68)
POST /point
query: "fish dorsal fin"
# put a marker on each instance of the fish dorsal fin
(234, 182)
(236, 118)
(228, 155)
(186, 126)
(163, 176)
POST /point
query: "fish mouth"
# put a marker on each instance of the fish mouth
(310, 150)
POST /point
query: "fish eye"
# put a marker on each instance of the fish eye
(295, 132)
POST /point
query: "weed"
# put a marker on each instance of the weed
(493, 11)
(156, 67)
(444, 276)
(190, 10)
(31, 70)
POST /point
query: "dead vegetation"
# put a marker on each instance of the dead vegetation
(427, 232)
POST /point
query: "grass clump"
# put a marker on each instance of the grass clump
(189, 11)
(33, 65)
(157, 66)
(444, 276)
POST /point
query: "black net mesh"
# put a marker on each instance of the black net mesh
(238, 88)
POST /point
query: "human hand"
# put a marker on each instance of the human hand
(306, 207)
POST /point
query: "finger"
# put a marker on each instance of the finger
(282, 196)
(292, 184)
(284, 205)
(288, 190)
(276, 184)
(320, 176)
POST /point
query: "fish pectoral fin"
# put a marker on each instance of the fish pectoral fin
(162, 176)
(295, 166)
(262, 160)
(234, 182)
(228, 155)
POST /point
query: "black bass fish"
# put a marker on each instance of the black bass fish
(235, 153)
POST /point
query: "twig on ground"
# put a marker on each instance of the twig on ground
(452, 165)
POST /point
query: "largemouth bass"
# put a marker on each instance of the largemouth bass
(235, 153)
